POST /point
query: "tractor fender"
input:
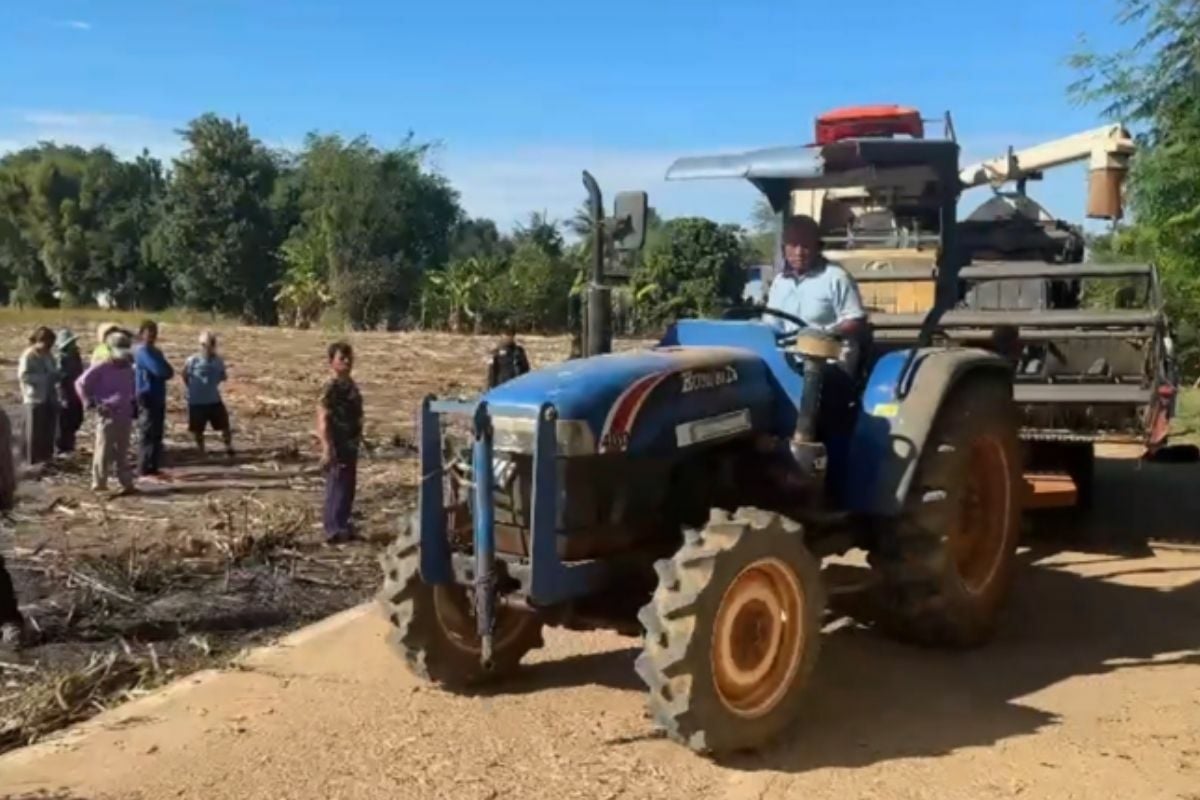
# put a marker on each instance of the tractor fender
(895, 422)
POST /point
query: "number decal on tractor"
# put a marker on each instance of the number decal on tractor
(614, 441)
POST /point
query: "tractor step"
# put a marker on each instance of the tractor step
(1050, 490)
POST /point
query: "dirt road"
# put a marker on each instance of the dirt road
(1091, 690)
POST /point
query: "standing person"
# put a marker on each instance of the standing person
(69, 362)
(100, 353)
(152, 372)
(108, 387)
(508, 359)
(203, 374)
(39, 396)
(12, 624)
(339, 428)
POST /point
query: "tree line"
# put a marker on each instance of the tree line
(1154, 85)
(340, 230)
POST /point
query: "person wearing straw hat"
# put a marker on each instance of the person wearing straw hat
(69, 362)
(100, 353)
(108, 387)
(39, 396)
(203, 374)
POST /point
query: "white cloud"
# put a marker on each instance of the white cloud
(74, 24)
(124, 134)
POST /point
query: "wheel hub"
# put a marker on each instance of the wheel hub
(758, 637)
(456, 617)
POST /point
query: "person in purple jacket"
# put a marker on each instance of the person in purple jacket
(108, 387)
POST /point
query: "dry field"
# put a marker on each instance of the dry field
(128, 593)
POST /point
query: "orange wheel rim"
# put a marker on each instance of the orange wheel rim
(758, 638)
(456, 617)
(980, 529)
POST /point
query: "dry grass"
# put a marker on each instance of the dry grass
(127, 593)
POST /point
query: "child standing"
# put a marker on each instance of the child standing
(39, 396)
(108, 387)
(203, 374)
(339, 428)
(508, 359)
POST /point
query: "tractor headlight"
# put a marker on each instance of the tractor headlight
(515, 435)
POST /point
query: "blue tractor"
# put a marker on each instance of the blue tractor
(686, 494)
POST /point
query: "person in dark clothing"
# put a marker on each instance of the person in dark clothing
(339, 428)
(151, 375)
(508, 359)
(70, 407)
(12, 625)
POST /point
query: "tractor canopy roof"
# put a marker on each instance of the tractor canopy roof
(928, 166)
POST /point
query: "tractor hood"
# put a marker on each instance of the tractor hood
(599, 399)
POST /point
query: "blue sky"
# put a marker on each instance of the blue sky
(523, 95)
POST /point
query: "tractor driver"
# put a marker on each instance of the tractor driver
(826, 298)
(816, 290)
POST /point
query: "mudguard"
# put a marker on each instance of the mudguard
(895, 422)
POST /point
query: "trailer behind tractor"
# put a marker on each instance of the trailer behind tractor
(1090, 343)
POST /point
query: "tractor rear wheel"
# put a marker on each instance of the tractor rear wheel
(435, 625)
(947, 561)
(732, 632)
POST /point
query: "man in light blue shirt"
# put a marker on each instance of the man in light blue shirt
(816, 290)
(826, 298)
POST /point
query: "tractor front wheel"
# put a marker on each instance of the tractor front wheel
(732, 632)
(947, 561)
(435, 625)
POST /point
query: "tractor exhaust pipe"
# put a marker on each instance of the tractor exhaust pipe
(599, 296)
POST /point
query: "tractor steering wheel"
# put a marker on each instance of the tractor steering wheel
(781, 337)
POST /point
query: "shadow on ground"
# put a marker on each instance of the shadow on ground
(873, 700)
(1138, 503)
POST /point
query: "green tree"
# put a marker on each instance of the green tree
(759, 241)
(542, 232)
(478, 237)
(370, 222)
(1155, 85)
(124, 199)
(217, 240)
(74, 224)
(538, 285)
(691, 270)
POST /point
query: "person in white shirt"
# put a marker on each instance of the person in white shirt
(38, 375)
